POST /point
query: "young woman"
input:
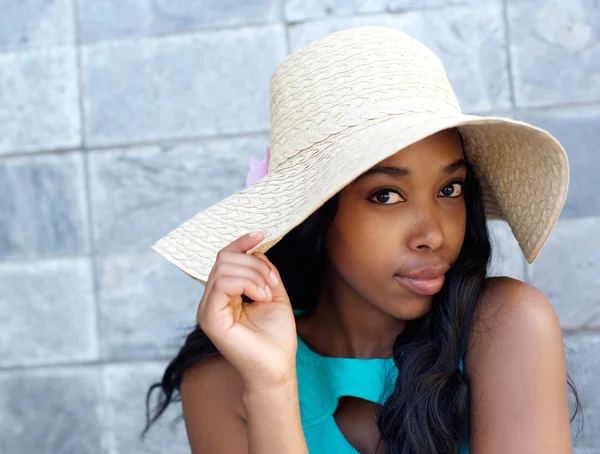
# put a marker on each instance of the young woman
(358, 315)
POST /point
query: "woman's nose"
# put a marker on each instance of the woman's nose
(426, 231)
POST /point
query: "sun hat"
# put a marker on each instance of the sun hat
(349, 100)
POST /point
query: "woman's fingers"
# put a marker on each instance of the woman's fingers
(243, 243)
(258, 339)
(279, 293)
(223, 290)
(235, 273)
(243, 270)
(253, 261)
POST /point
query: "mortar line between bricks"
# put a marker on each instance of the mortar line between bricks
(386, 10)
(526, 270)
(158, 142)
(182, 34)
(584, 330)
(509, 65)
(19, 50)
(352, 14)
(87, 185)
(557, 106)
(220, 28)
(24, 261)
(19, 154)
(178, 141)
(35, 49)
(82, 363)
(32, 261)
(288, 41)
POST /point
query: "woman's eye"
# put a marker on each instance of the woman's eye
(452, 190)
(386, 197)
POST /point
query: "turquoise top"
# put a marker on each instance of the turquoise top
(322, 380)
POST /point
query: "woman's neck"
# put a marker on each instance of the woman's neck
(344, 324)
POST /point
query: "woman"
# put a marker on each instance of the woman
(358, 316)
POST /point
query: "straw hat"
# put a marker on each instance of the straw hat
(344, 103)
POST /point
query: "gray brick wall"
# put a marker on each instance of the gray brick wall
(118, 119)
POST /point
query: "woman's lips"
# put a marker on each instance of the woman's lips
(421, 286)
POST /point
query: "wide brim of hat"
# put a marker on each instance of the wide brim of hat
(522, 169)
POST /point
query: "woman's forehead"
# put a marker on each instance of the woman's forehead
(443, 146)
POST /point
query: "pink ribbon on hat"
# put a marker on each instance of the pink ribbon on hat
(258, 169)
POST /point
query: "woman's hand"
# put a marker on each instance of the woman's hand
(258, 338)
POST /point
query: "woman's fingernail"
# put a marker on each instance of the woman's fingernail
(261, 293)
(268, 290)
(254, 234)
(273, 278)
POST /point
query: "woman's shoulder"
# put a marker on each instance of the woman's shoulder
(516, 367)
(512, 318)
(213, 381)
(503, 297)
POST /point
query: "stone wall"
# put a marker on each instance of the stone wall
(120, 119)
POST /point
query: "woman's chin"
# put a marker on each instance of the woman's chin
(412, 309)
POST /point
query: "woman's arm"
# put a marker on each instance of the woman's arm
(258, 343)
(221, 418)
(517, 371)
(273, 421)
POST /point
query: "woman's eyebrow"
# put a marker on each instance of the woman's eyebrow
(453, 167)
(396, 171)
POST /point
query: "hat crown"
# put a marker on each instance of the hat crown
(349, 78)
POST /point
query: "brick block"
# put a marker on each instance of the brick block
(140, 194)
(205, 84)
(48, 313)
(583, 364)
(50, 411)
(40, 101)
(568, 271)
(38, 23)
(43, 206)
(125, 412)
(507, 257)
(400, 5)
(555, 49)
(147, 306)
(113, 19)
(301, 10)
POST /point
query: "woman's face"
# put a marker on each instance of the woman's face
(400, 226)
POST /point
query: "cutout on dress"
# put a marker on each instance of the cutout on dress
(356, 421)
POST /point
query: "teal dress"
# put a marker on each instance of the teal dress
(322, 380)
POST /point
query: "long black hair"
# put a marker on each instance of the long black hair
(427, 412)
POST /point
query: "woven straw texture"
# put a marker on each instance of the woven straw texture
(344, 103)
